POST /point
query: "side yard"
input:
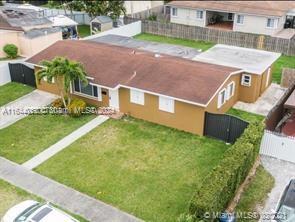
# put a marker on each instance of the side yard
(83, 30)
(31, 135)
(145, 169)
(250, 117)
(12, 91)
(282, 62)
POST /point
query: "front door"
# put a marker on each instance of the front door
(114, 98)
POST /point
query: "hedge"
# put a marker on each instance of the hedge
(220, 185)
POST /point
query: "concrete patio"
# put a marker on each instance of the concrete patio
(265, 102)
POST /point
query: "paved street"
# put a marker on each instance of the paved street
(61, 195)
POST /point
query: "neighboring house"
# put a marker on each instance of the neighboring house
(260, 17)
(162, 89)
(101, 24)
(27, 29)
(139, 6)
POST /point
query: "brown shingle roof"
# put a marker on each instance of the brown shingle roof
(272, 8)
(111, 66)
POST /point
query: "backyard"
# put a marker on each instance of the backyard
(283, 61)
(11, 91)
(176, 41)
(145, 169)
(31, 135)
(83, 30)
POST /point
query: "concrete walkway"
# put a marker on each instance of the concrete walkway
(283, 172)
(61, 195)
(63, 143)
(265, 102)
(11, 112)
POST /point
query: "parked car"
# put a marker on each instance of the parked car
(31, 211)
(286, 207)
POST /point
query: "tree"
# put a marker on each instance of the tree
(113, 8)
(64, 72)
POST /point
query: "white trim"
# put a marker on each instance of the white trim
(175, 16)
(267, 76)
(201, 11)
(98, 98)
(162, 102)
(243, 80)
(137, 97)
(233, 83)
(219, 102)
(243, 20)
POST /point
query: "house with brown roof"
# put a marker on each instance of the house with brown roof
(27, 29)
(259, 17)
(163, 89)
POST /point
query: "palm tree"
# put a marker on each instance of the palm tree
(64, 72)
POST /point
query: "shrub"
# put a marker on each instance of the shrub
(58, 103)
(221, 184)
(10, 50)
(76, 107)
(152, 17)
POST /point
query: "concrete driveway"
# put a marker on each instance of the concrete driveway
(13, 111)
(265, 102)
(283, 172)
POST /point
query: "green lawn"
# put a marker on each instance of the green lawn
(255, 195)
(250, 117)
(176, 41)
(11, 195)
(145, 169)
(31, 135)
(282, 62)
(83, 30)
(11, 91)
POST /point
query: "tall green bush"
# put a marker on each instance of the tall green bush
(10, 50)
(221, 184)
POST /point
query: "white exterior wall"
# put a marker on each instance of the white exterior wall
(4, 73)
(252, 23)
(257, 25)
(129, 30)
(187, 17)
(139, 6)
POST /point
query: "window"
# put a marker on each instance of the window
(166, 104)
(271, 23)
(230, 16)
(174, 12)
(246, 80)
(240, 19)
(230, 90)
(200, 14)
(136, 97)
(89, 90)
(221, 98)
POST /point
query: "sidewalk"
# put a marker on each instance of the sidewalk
(63, 143)
(35, 99)
(61, 195)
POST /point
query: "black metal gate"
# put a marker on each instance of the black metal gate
(22, 74)
(224, 127)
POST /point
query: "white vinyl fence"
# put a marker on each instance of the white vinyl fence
(129, 30)
(4, 73)
(278, 146)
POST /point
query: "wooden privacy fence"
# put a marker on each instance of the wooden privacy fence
(278, 146)
(248, 40)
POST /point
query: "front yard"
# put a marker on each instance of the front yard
(145, 169)
(31, 135)
(12, 91)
